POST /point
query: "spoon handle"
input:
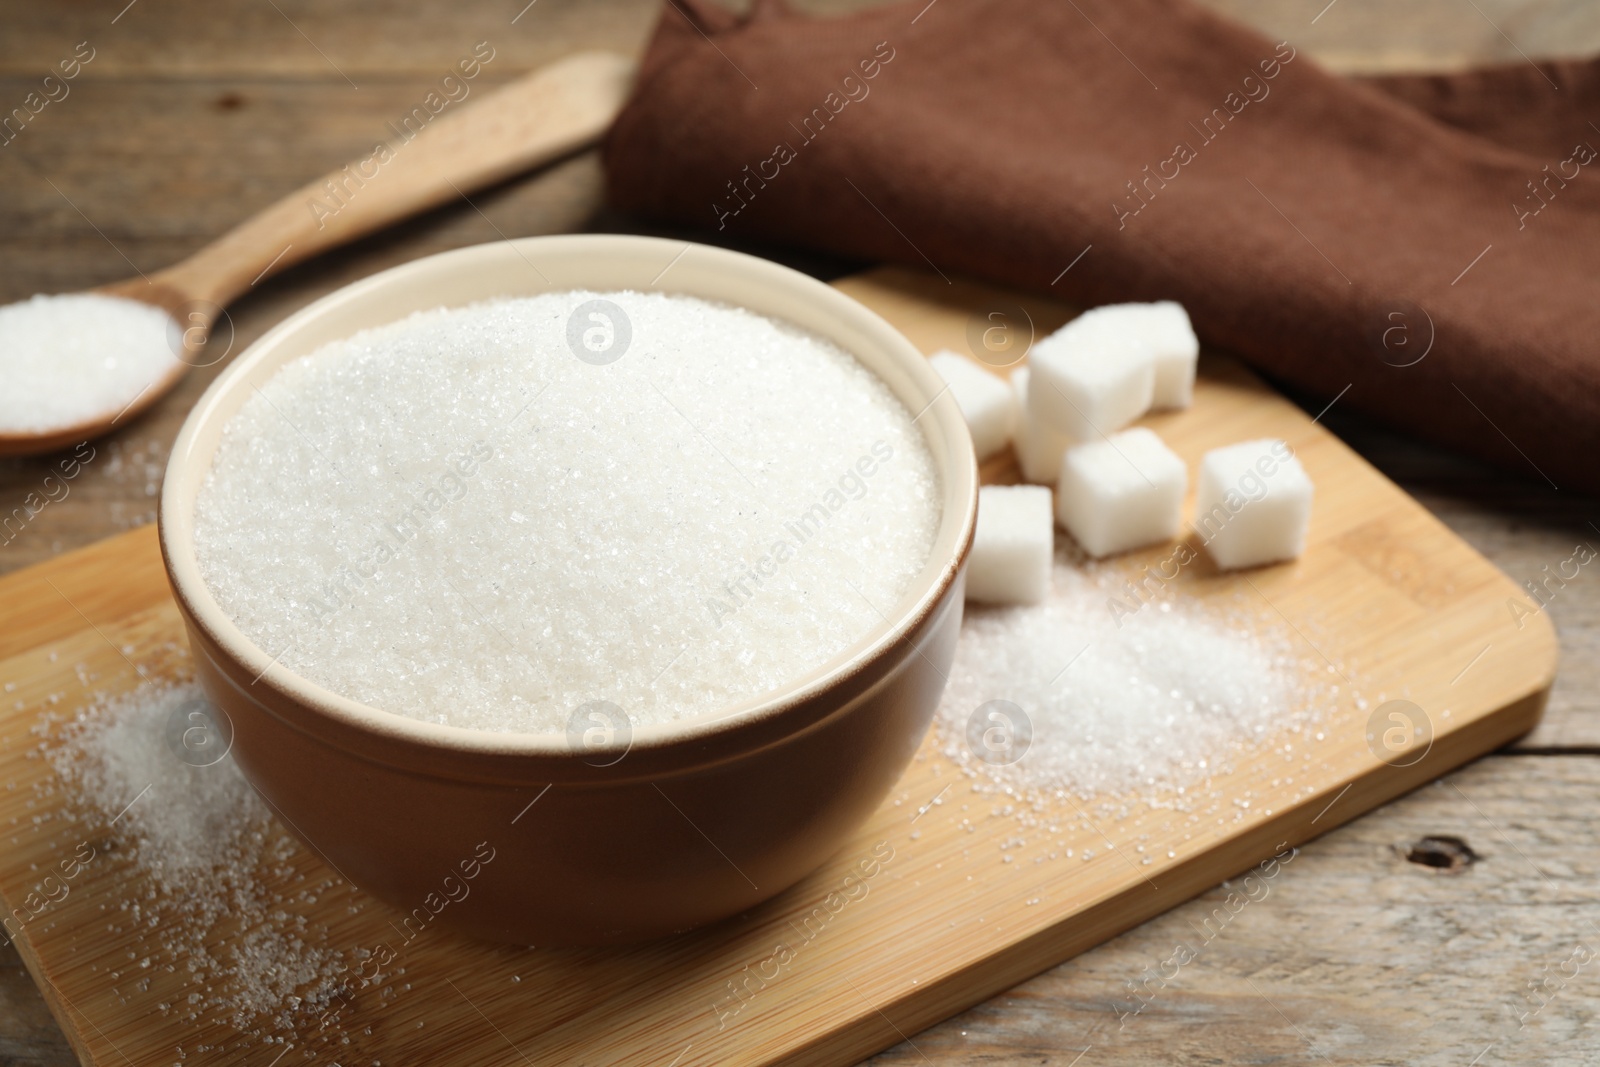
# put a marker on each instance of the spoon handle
(533, 120)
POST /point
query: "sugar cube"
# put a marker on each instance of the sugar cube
(1162, 333)
(986, 401)
(1253, 503)
(1012, 546)
(1120, 493)
(1089, 380)
(1039, 446)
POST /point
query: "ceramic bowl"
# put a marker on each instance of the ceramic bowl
(529, 838)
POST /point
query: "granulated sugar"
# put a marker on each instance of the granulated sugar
(469, 518)
(207, 845)
(65, 359)
(1165, 699)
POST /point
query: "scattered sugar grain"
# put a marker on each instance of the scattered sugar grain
(197, 818)
(455, 519)
(206, 845)
(65, 359)
(1157, 704)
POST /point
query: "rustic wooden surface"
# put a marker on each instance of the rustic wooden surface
(192, 115)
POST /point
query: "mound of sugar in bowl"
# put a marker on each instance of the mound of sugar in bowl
(490, 516)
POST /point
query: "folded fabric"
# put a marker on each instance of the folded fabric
(1431, 242)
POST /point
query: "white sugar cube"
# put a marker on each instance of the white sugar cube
(1162, 333)
(1121, 493)
(986, 401)
(1253, 504)
(1012, 545)
(1038, 445)
(1088, 380)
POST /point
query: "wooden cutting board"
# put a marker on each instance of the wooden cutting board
(1384, 591)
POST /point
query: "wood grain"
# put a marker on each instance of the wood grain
(1357, 956)
(191, 116)
(425, 163)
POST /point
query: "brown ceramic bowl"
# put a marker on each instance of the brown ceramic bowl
(700, 819)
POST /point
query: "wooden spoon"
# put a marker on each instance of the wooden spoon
(540, 117)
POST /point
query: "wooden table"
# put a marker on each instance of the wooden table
(191, 115)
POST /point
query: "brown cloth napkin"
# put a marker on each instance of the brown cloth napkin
(1432, 242)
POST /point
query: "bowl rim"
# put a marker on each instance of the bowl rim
(940, 415)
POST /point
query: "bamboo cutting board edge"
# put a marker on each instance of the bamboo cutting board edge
(1107, 919)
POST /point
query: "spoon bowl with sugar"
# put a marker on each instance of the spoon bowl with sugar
(78, 365)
